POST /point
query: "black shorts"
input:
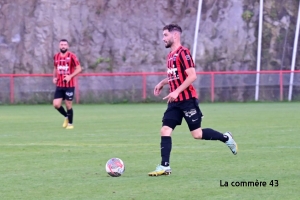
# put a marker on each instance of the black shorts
(188, 109)
(66, 93)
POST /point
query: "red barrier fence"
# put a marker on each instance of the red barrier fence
(144, 76)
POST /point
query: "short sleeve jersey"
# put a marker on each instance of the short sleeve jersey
(177, 62)
(65, 65)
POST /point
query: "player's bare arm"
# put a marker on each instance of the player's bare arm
(78, 69)
(54, 75)
(159, 86)
(191, 77)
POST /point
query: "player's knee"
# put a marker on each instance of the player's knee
(166, 131)
(197, 137)
(197, 133)
(69, 107)
(68, 104)
(167, 127)
(56, 105)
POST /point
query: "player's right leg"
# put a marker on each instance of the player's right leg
(172, 118)
(165, 149)
(57, 101)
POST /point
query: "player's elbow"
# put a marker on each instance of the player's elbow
(193, 77)
(79, 69)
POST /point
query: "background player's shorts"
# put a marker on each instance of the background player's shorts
(66, 93)
(188, 109)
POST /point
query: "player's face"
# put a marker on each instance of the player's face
(63, 46)
(168, 38)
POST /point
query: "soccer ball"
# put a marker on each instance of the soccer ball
(115, 167)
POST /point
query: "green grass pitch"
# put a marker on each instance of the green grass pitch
(41, 160)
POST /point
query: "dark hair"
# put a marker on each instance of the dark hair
(64, 40)
(173, 27)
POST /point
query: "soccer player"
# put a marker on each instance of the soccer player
(182, 100)
(66, 67)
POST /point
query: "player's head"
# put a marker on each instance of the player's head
(171, 34)
(63, 45)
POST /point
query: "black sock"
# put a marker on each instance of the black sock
(62, 111)
(70, 116)
(210, 134)
(165, 150)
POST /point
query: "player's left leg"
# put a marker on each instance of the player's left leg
(210, 134)
(194, 119)
(69, 114)
(68, 101)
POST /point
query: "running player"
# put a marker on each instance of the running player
(182, 100)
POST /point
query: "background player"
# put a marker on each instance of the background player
(66, 67)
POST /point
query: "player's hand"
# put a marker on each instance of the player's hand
(67, 78)
(157, 89)
(171, 97)
(54, 80)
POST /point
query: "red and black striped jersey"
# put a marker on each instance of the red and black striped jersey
(65, 64)
(177, 62)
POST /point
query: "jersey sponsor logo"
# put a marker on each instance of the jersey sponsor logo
(63, 67)
(172, 71)
(190, 113)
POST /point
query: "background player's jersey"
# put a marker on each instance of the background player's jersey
(65, 65)
(177, 63)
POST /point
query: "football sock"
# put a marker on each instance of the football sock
(210, 134)
(62, 111)
(165, 150)
(70, 116)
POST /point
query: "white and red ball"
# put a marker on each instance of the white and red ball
(115, 167)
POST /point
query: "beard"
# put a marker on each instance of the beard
(63, 50)
(168, 44)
